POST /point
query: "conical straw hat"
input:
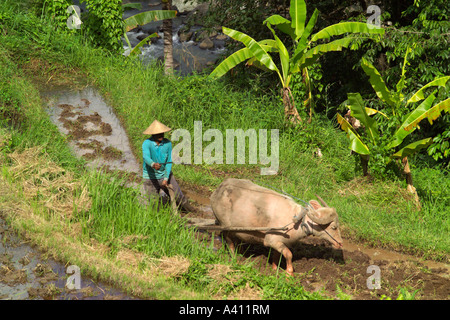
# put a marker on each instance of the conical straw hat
(156, 127)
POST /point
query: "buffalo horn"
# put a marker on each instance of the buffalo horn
(322, 202)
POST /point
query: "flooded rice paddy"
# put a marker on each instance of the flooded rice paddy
(28, 274)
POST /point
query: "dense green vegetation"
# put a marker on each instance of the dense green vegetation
(377, 210)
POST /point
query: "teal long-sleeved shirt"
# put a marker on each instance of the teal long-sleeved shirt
(162, 154)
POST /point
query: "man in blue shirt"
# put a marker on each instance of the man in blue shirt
(157, 167)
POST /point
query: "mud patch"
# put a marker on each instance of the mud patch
(93, 130)
(12, 276)
(27, 274)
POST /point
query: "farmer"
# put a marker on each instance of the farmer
(157, 167)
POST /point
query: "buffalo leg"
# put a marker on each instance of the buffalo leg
(275, 259)
(284, 250)
(230, 242)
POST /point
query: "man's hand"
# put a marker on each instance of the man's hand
(156, 166)
(164, 183)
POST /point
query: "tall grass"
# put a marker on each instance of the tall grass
(121, 217)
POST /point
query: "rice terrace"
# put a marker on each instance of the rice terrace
(224, 150)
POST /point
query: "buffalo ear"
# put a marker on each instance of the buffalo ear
(315, 204)
(323, 216)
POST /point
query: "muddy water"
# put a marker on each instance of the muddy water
(94, 131)
(27, 274)
(381, 254)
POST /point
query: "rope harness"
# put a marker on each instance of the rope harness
(305, 226)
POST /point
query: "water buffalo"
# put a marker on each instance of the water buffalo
(239, 204)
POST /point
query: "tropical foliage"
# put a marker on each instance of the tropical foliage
(387, 141)
(306, 50)
(104, 24)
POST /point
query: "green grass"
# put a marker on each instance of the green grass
(394, 221)
(119, 212)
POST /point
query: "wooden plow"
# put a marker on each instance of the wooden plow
(210, 224)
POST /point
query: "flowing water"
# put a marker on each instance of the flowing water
(188, 56)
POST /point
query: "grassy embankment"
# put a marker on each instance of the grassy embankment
(379, 212)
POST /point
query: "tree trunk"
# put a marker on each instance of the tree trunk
(168, 42)
(309, 103)
(365, 165)
(409, 181)
(290, 111)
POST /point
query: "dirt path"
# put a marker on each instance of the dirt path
(98, 136)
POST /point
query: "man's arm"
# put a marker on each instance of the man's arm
(146, 153)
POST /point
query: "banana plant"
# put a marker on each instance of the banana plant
(141, 19)
(307, 49)
(407, 122)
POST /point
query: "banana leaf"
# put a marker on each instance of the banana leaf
(356, 105)
(130, 6)
(401, 82)
(412, 148)
(283, 24)
(255, 48)
(345, 27)
(230, 62)
(284, 56)
(378, 83)
(143, 18)
(297, 12)
(411, 122)
(268, 45)
(301, 60)
(255, 63)
(240, 56)
(371, 112)
(136, 50)
(432, 114)
(419, 95)
(311, 23)
(303, 42)
(355, 141)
